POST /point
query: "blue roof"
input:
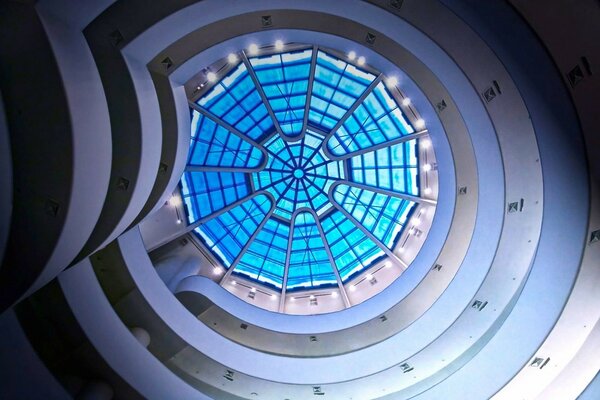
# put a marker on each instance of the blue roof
(261, 188)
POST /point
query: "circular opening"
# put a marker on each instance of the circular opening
(306, 178)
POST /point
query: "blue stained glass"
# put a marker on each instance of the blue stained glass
(284, 79)
(384, 216)
(351, 249)
(236, 101)
(393, 168)
(309, 264)
(207, 192)
(377, 120)
(242, 227)
(337, 85)
(214, 146)
(227, 234)
(265, 258)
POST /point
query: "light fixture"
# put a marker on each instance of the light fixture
(334, 294)
(211, 76)
(233, 283)
(420, 123)
(400, 250)
(352, 55)
(312, 296)
(273, 297)
(416, 221)
(425, 143)
(369, 277)
(352, 288)
(216, 270)
(392, 81)
(389, 265)
(178, 221)
(427, 167)
(427, 190)
(253, 49)
(406, 101)
(174, 201)
(279, 45)
(253, 290)
(361, 60)
(232, 57)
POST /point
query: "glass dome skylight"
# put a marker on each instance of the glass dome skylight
(303, 169)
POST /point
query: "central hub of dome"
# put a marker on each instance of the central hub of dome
(298, 173)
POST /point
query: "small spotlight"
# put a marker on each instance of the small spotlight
(406, 101)
(352, 288)
(273, 297)
(253, 290)
(427, 167)
(312, 296)
(292, 298)
(352, 55)
(334, 294)
(216, 270)
(420, 123)
(178, 221)
(389, 265)
(369, 277)
(253, 49)
(278, 45)
(233, 283)
(174, 201)
(202, 85)
(392, 81)
(361, 60)
(400, 250)
(426, 143)
(232, 58)
(416, 221)
(211, 76)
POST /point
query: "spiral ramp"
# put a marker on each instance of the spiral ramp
(501, 302)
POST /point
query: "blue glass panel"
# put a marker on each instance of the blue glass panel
(265, 258)
(337, 85)
(227, 234)
(393, 168)
(284, 79)
(214, 146)
(309, 262)
(236, 101)
(298, 174)
(377, 120)
(384, 216)
(351, 249)
(206, 192)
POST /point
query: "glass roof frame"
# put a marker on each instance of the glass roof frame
(266, 137)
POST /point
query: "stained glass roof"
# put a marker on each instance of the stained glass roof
(302, 170)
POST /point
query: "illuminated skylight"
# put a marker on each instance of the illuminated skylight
(303, 169)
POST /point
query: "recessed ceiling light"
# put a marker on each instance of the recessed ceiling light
(392, 81)
(232, 58)
(273, 297)
(312, 296)
(253, 290)
(253, 49)
(369, 277)
(216, 270)
(178, 221)
(427, 167)
(174, 201)
(420, 123)
(416, 221)
(389, 265)
(211, 76)
(352, 55)
(334, 294)
(352, 288)
(427, 190)
(361, 60)
(426, 143)
(406, 101)
(279, 45)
